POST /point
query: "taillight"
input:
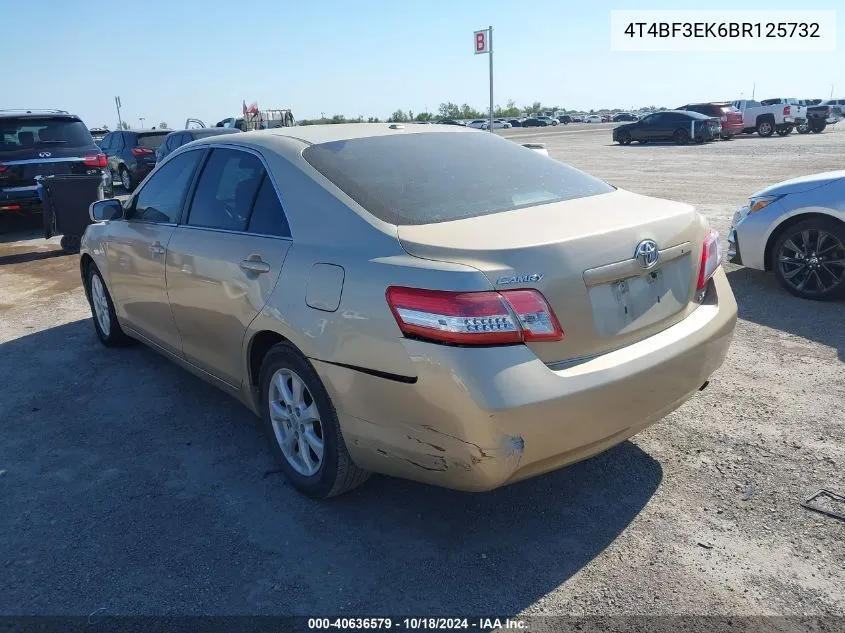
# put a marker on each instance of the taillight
(3, 168)
(711, 257)
(786, 110)
(141, 151)
(474, 318)
(97, 160)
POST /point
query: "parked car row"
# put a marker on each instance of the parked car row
(728, 119)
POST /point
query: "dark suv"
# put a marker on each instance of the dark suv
(131, 154)
(43, 143)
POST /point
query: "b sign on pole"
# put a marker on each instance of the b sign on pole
(481, 42)
(484, 44)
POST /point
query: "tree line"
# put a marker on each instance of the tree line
(451, 110)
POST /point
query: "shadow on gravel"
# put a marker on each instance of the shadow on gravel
(762, 300)
(130, 485)
(20, 258)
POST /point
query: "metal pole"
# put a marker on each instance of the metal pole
(119, 120)
(490, 45)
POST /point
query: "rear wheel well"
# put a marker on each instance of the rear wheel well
(260, 344)
(765, 117)
(786, 224)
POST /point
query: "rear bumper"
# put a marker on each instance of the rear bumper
(479, 418)
(22, 200)
(731, 129)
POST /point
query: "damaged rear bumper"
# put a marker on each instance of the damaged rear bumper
(479, 418)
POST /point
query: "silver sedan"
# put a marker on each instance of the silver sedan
(795, 229)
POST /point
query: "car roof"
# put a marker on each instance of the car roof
(687, 113)
(290, 140)
(206, 131)
(14, 113)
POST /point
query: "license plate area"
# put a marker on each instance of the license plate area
(626, 305)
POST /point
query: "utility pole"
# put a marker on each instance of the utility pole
(831, 91)
(753, 91)
(490, 39)
(119, 120)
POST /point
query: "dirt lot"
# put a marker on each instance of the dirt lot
(128, 485)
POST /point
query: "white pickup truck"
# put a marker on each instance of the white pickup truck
(770, 115)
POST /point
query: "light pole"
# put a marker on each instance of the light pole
(141, 119)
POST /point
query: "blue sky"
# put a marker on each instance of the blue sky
(171, 60)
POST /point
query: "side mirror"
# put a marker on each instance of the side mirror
(104, 210)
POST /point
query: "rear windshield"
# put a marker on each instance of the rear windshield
(437, 177)
(152, 141)
(20, 133)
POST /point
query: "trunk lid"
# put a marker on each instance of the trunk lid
(580, 254)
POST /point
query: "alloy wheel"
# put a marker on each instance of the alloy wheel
(124, 179)
(296, 422)
(100, 304)
(812, 261)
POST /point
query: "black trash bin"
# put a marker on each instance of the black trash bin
(65, 200)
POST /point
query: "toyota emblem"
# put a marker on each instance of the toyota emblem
(44, 154)
(647, 253)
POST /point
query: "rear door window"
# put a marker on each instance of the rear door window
(422, 178)
(226, 190)
(268, 217)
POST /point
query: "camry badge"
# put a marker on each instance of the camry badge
(519, 279)
(647, 253)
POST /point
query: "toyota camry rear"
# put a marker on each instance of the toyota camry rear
(544, 315)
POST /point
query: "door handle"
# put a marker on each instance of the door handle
(156, 248)
(255, 266)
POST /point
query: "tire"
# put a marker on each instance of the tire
(765, 128)
(110, 332)
(624, 138)
(681, 137)
(818, 128)
(784, 131)
(806, 275)
(335, 472)
(126, 179)
(804, 128)
(70, 243)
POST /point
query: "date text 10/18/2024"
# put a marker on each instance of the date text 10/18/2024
(416, 624)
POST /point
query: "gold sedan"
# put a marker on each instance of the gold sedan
(429, 302)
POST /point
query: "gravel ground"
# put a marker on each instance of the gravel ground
(129, 486)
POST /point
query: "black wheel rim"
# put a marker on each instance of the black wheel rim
(812, 261)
